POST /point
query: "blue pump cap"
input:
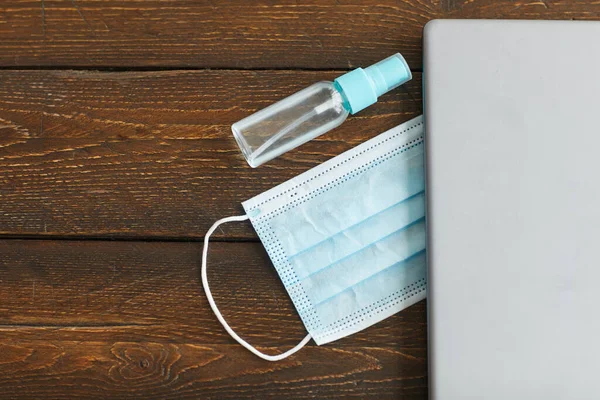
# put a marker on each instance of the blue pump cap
(361, 88)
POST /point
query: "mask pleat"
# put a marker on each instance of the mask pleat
(336, 210)
(343, 307)
(364, 263)
(359, 236)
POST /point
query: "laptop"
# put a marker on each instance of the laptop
(512, 115)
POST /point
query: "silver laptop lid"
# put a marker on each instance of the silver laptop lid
(512, 114)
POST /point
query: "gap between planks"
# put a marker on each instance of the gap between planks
(109, 68)
(137, 238)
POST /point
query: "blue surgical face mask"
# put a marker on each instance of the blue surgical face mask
(347, 238)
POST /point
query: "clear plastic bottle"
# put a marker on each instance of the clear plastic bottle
(315, 110)
(290, 122)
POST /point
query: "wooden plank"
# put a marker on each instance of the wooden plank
(150, 291)
(100, 370)
(240, 34)
(95, 319)
(151, 153)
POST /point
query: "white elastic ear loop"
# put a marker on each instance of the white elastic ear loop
(211, 301)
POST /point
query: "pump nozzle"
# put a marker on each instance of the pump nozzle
(361, 87)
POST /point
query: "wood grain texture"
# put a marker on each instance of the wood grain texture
(151, 154)
(128, 290)
(93, 319)
(99, 370)
(148, 155)
(240, 34)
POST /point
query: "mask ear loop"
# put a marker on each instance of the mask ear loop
(211, 300)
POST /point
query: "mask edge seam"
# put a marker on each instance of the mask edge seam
(340, 163)
(296, 202)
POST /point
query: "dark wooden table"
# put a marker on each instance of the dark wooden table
(115, 158)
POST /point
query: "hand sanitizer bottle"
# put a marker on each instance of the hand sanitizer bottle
(315, 110)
